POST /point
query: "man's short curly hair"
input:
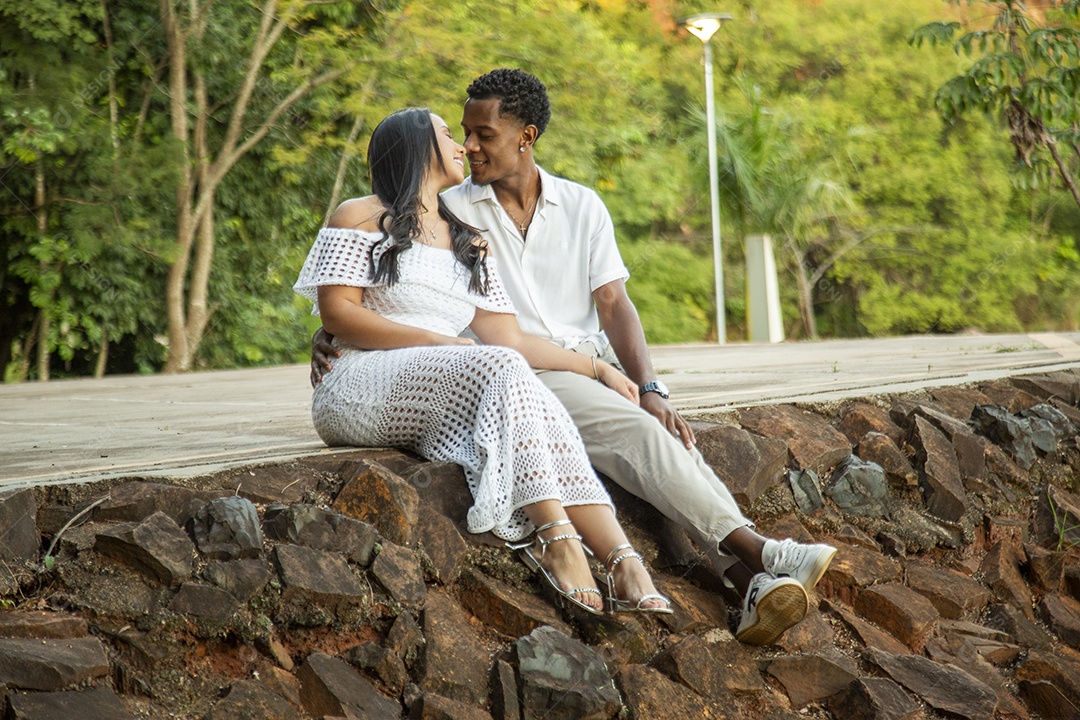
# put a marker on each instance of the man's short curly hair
(523, 96)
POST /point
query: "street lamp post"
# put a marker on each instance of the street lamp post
(704, 26)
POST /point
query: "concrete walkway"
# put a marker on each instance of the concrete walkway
(187, 425)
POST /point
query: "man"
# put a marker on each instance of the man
(555, 247)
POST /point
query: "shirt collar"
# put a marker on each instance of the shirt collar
(548, 194)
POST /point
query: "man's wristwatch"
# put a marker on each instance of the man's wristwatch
(655, 386)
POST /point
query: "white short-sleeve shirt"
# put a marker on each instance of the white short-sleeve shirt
(569, 252)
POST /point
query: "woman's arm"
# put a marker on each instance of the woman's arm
(502, 329)
(345, 317)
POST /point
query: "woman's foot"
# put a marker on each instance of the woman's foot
(633, 587)
(565, 561)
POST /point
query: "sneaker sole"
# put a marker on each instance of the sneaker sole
(779, 610)
(818, 570)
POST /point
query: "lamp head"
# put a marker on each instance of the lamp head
(704, 25)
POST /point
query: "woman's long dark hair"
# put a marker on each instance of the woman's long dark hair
(399, 156)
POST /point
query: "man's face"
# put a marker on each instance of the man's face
(491, 142)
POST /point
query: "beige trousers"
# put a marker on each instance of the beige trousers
(632, 448)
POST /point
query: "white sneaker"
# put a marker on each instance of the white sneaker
(772, 605)
(805, 563)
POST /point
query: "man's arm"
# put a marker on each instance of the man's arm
(620, 321)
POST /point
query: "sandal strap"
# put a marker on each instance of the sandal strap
(624, 556)
(594, 591)
(653, 596)
(615, 550)
(554, 524)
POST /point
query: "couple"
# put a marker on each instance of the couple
(405, 271)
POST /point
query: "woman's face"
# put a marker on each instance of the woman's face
(453, 156)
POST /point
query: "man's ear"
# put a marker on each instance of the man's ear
(528, 136)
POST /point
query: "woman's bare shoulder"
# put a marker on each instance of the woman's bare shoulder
(358, 214)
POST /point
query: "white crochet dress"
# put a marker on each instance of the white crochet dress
(478, 406)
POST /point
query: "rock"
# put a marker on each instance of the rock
(1045, 566)
(806, 487)
(405, 639)
(809, 678)
(1070, 411)
(505, 608)
(940, 472)
(1012, 433)
(316, 585)
(874, 699)
(1046, 699)
(1061, 427)
(137, 500)
(243, 579)
(397, 569)
(958, 401)
(1071, 582)
(505, 703)
(563, 678)
(1062, 386)
(435, 707)
(51, 664)
(227, 529)
(442, 486)
(383, 663)
(316, 528)
(813, 443)
(1057, 518)
(651, 695)
(853, 568)
(442, 543)
(737, 665)
(859, 487)
(878, 448)
(965, 638)
(903, 612)
(858, 419)
(695, 609)
(1004, 394)
(41, 625)
(891, 544)
(1001, 573)
(269, 484)
(970, 448)
(851, 535)
(1062, 614)
(1055, 668)
(328, 686)
(943, 687)
(746, 463)
(156, 547)
(99, 703)
(692, 663)
(807, 636)
(1020, 629)
(952, 594)
(252, 700)
(381, 498)
(1011, 529)
(204, 601)
(456, 663)
(19, 539)
(867, 633)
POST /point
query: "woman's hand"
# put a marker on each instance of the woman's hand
(610, 376)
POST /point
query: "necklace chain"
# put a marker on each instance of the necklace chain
(524, 224)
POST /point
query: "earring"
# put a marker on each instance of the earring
(521, 149)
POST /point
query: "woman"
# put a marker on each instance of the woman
(396, 277)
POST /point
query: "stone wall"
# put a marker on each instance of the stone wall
(346, 586)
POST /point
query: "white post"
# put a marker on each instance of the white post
(764, 322)
(714, 197)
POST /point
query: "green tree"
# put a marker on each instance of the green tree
(1027, 78)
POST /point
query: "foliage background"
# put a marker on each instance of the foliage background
(895, 221)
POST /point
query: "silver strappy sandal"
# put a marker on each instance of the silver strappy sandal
(615, 605)
(563, 598)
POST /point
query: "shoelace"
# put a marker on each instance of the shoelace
(788, 552)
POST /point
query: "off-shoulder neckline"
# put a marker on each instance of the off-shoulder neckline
(379, 233)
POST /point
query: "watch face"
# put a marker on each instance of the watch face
(662, 388)
(657, 387)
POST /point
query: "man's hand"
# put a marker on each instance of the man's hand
(663, 411)
(321, 352)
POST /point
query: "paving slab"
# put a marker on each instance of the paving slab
(198, 423)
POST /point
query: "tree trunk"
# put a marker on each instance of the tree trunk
(103, 356)
(43, 354)
(805, 291)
